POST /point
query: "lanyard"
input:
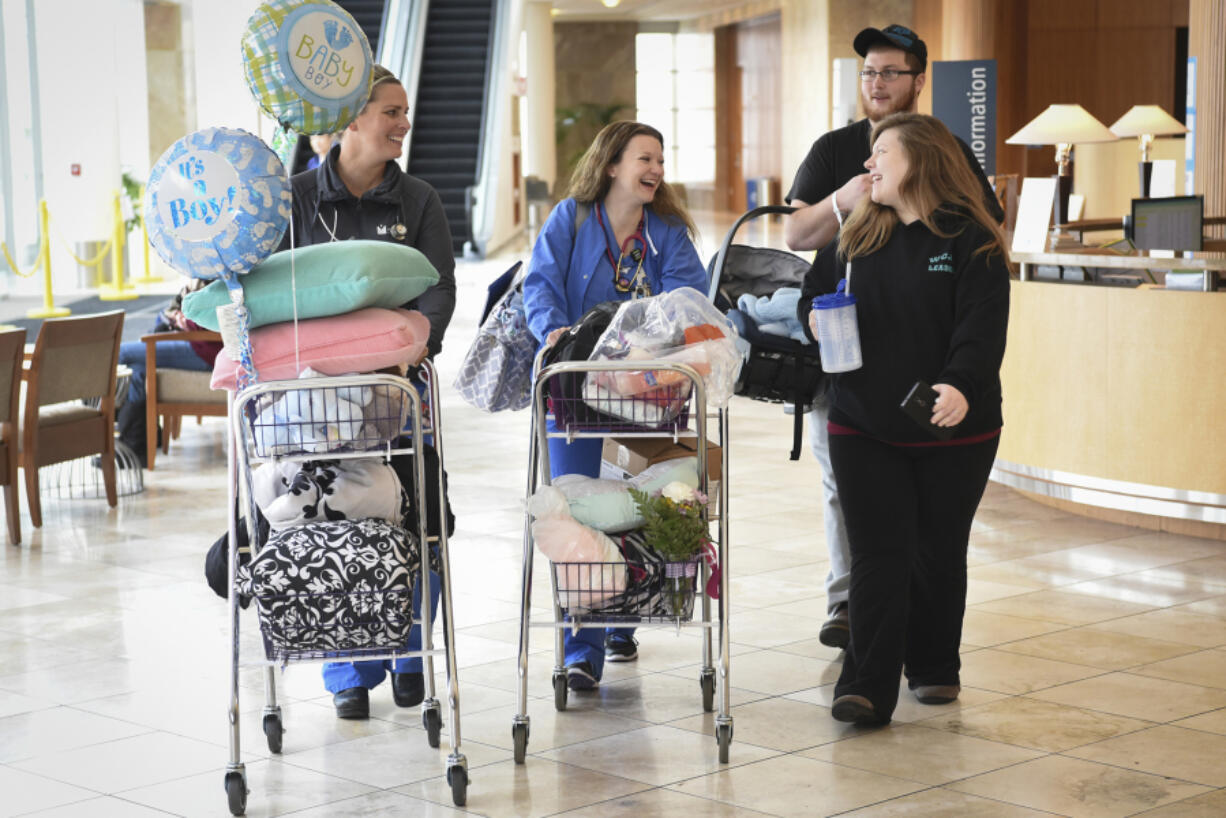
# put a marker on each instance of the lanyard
(623, 281)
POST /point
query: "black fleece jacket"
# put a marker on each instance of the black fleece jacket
(325, 210)
(929, 308)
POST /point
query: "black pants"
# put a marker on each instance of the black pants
(908, 512)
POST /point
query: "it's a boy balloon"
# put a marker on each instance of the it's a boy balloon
(307, 63)
(217, 203)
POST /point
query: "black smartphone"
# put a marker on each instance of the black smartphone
(918, 406)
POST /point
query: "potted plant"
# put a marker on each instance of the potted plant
(675, 523)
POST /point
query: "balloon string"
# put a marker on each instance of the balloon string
(246, 372)
(293, 285)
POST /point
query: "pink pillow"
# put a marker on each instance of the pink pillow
(359, 341)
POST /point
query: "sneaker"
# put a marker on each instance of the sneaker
(619, 647)
(856, 710)
(836, 632)
(937, 694)
(581, 676)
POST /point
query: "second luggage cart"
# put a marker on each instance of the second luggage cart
(583, 596)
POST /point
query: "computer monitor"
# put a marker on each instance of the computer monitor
(1174, 223)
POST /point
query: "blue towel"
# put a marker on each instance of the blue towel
(775, 314)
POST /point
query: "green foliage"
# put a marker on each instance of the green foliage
(133, 189)
(580, 123)
(676, 530)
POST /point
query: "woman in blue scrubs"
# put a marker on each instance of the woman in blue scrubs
(621, 233)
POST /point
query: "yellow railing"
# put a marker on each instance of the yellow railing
(114, 290)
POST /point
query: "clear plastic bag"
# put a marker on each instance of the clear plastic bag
(680, 326)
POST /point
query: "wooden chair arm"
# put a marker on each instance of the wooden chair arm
(183, 335)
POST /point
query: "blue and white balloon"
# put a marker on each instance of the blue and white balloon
(217, 203)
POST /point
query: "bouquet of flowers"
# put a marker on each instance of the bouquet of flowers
(674, 520)
(676, 527)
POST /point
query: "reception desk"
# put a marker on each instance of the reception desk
(1115, 400)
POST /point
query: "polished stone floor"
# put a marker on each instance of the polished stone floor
(1094, 665)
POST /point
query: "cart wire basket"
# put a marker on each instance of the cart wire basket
(626, 593)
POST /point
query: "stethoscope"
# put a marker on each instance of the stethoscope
(398, 230)
(623, 282)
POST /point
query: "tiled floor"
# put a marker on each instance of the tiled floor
(1094, 666)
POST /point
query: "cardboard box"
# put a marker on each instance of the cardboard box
(623, 458)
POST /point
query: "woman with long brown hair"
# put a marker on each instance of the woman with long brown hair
(621, 233)
(929, 273)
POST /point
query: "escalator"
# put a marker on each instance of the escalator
(368, 14)
(445, 150)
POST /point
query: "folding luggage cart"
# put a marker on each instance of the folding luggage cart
(778, 369)
(313, 428)
(582, 595)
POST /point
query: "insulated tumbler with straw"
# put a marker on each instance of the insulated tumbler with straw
(838, 335)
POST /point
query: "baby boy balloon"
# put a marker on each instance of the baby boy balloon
(218, 203)
(307, 63)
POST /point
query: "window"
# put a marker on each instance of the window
(675, 93)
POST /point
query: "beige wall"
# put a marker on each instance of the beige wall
(594, 64)
(168, 102)
(814, 33)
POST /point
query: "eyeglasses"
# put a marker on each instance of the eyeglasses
(888, 75)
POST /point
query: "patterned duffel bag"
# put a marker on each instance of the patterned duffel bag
(327, 588)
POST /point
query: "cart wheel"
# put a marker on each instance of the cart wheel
(559, 691)
(723, 735)
(457, 777)
(519, 734)
(273, 730)
(707, 682)
(433, 722)
(236, 793)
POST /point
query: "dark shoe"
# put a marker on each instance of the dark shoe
(836, 633)
(408, 689)
(937, 694)
(856, 710)
(122, 462)
(352, 703)
(581, 676)
(619, 647)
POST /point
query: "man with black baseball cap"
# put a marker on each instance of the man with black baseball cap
(829, 183)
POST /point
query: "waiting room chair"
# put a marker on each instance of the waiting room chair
(170, 394)
(12, 349)
(74, 360)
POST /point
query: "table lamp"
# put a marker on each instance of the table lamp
(1145, 122)
(1062, 126)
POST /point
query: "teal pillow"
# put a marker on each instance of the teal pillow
(607, 506)
(329, 279)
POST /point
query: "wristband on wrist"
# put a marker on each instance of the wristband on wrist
(834, 205)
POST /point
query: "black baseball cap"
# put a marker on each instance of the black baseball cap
(895, 36)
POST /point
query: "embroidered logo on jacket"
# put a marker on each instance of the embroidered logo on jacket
(941, 263)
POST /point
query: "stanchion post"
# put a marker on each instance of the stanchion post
(117, 290)
(48, 309)
(147, 278)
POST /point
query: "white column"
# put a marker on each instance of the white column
(539, 149)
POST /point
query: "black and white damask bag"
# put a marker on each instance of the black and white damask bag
(334, 587)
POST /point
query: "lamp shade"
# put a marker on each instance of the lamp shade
(1147, 119)
(1062, 124)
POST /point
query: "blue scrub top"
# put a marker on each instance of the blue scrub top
(570, 271)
